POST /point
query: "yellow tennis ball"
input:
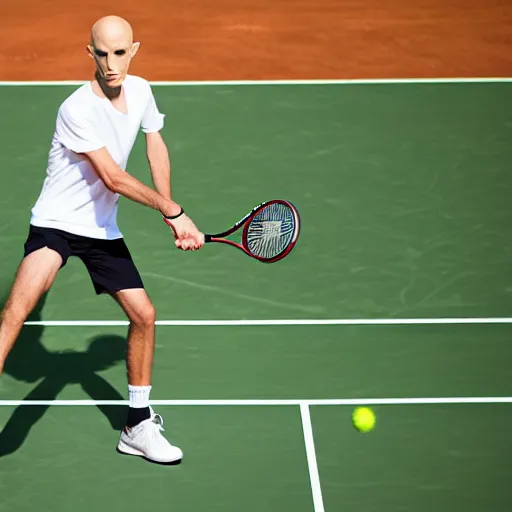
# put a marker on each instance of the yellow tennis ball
(363, 419)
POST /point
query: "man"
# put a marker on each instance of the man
(75, 215)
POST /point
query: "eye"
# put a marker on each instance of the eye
(100, 53)
(120, 52)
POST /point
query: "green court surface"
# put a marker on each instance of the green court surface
(404, 193)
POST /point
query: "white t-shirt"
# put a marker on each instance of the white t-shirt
(73, 197)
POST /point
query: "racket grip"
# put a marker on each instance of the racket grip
(207, 239)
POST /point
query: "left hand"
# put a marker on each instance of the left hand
(188, 237)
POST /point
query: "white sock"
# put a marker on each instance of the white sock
(139, 396)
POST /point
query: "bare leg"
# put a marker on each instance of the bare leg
(141, 335)
(141, 435)
(35, 276)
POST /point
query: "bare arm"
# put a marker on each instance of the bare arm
(160, 166)
(120, 182)
(159, 163)
(116, 180)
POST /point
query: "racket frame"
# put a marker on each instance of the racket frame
(246, 220)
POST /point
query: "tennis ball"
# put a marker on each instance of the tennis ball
(363, 419)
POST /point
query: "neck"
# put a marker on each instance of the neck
(110, 92)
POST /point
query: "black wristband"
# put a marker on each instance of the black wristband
(172, 217)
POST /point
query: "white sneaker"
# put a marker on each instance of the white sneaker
(145, 440)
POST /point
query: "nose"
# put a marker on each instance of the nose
(110, 63)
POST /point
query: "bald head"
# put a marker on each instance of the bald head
(112, 48)
(111, 28)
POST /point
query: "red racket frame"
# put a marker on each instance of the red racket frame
(219, 237)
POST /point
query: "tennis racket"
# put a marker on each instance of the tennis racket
(269, 231)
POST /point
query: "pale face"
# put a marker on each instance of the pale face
(112, 50)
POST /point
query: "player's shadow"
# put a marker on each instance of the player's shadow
(29, 361)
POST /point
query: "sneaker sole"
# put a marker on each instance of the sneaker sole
(124, 449)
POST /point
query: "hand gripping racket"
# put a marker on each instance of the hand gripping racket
(269, 231)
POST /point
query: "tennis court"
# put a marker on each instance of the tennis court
(404, 193)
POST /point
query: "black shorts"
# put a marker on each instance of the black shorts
(109, 262)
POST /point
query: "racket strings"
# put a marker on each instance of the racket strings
(271, 231)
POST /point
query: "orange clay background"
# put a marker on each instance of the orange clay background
(265, 39)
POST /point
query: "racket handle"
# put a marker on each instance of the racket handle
(207, 239)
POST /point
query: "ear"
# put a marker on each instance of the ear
(90, 51)
(135, 49)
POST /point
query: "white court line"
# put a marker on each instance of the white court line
(355, 81)
(294, 402)
(299, 321)
(314, 476)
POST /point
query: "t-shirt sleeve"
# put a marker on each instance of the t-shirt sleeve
(76, 132)
(152, 120)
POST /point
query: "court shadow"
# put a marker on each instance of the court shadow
(29, 361)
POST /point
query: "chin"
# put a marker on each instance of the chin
(113, 84)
